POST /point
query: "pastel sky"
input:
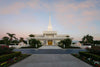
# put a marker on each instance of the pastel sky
(73, 17)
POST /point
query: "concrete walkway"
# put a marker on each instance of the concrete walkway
(49, 50)
(50, 47)
(51, 60)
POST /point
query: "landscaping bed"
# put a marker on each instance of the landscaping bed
(94, 50)
(9, 59)
(5, 50)
(32, 46)
(89, 58)
(69, 47)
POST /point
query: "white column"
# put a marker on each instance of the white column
(27, 42)
(46, 42)
(52, 42)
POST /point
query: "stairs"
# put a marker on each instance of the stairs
(50, 47)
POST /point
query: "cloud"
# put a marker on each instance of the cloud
(35, 4)
(16, 7)
(77, 15)
(67, 12)
(13, 8)
(71, 14)
(25, 18)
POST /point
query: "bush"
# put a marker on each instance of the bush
(67, 46)
(88, 60)
(89, 55)
(67, 42)
(34, 43)
(5, 50)
(94, 50)
(13, 60)
(32, 46)
(9, 56)
(61, 46)
(72, 47)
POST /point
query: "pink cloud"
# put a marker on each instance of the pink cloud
(14, 8)
(71, 15)
(34, 4)
(77, 15)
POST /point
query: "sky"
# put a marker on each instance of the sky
(73, 17)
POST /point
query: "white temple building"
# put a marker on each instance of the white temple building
(49, 37)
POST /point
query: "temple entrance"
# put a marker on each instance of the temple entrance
(49, 42)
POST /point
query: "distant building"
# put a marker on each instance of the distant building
(49, 37)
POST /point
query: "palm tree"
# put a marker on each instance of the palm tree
(15, 41)
(88, 39)
(31, 35)
(15, 38)
(6, 40)
(21, 39)
(11, 36)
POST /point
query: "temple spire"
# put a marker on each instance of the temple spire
(50, 25)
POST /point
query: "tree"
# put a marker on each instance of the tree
(34, 42)
(2, 42)
(31, 35)
(88, 39)
(11, 36)
(97, 42)
(6, 40)
(15, 42)
(21, 39)
(67, 42)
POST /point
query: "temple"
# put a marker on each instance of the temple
(49, 37)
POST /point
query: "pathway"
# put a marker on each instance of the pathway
(50, 47)
(50, 56)
(51, 60)
(49, 50)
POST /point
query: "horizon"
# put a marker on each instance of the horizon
(75, 18)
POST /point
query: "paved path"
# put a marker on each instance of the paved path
(51, 60)
(49, 50)
(50, 47)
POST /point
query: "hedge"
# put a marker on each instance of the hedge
(5, 50)
(69, 47)
(32, 46)
(9, 56)
(89, 55)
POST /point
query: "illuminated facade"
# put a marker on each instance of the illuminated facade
(49, 37)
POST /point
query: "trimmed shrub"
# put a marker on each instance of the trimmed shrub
(62, 46)
(32, 46)
(5, 50)
(89, 55)
(13, 60)
(94, 50)
(9, 56)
